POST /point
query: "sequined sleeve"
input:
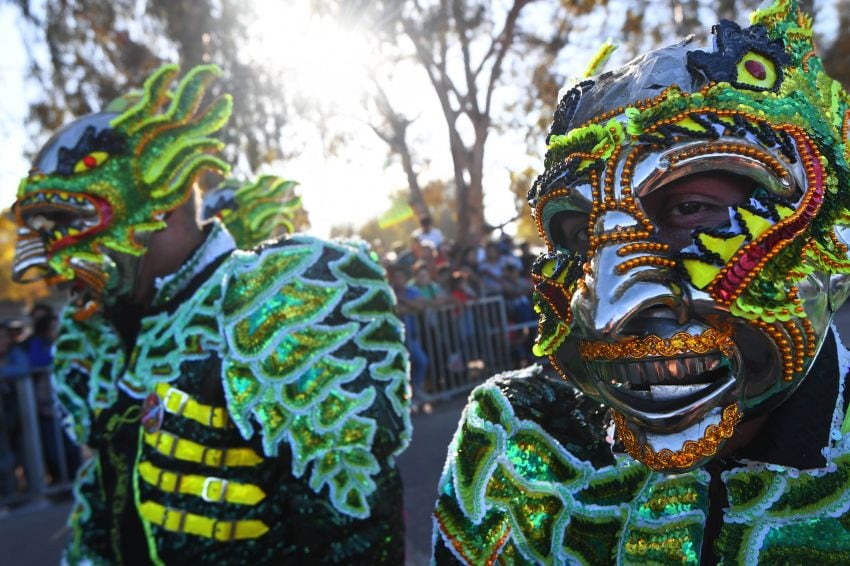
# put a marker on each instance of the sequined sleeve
(314, 361)
(530, 479)
(87, 362)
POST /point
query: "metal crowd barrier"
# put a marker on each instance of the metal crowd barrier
(466, 344)
(27, 433)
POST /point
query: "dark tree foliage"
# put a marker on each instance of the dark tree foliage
(98, 49)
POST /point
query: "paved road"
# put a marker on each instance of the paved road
(34, 536)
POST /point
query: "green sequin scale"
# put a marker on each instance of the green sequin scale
(512, 493)
(312, 369)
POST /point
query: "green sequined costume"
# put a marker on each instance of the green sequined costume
(694, 205)
(251, 411)
(530, 479)
(282, 379)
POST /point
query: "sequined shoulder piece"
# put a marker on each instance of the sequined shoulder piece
(88, 361)
(527, 492)
(314, 359)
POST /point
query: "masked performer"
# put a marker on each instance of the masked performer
(241, 406)
(695, 205)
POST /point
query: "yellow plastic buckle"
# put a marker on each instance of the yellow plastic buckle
(181, 405)
(224, 531)
(205, 489)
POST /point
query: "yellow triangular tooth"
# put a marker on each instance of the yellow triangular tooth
(690, 124)
(784, 211)
(756, 225)
(701, 273)
(724, 247)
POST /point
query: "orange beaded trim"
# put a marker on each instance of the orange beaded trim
(845, 134)
(645, 260)
(557, 367)
(638, 247)
(628, 204)
(609, 202)
(627, 235)
(738, 148)
(806, 58)
(807, 160)
(538, 214)
(691, 451)
(811, 246)
(842, 247)
(785, 349)
(810, 337)
(799, 346)
(710, 340)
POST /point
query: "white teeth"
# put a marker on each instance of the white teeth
(667, 392)
(41, 223)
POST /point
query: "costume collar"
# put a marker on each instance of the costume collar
(217, 244)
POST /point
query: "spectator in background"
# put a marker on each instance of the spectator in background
(428, 289)
(406, 258)
(409, 303)
(490, 270)
(40, 310)
(38, 348)
(526, 257)
(428, 255)
(508, 250)
(467, 264)
(444, 279)
(13, 366)
(517, 289)
(460, 288)
(428, 233)
(17, 330)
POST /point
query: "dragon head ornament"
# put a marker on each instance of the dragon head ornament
(695, 208)
(103, 183)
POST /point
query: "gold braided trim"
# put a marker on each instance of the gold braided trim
(183, 449)
(180, 403)
(211, 489)
(692, 451)
(181, 521)
(711, 340)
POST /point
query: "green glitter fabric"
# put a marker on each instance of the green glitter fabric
(514, 491)
(254, 211)
(297, 342)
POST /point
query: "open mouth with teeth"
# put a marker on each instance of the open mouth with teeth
(63, 218)
(664, 384)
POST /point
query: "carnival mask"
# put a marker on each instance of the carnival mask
(104, 183)
(694, 206)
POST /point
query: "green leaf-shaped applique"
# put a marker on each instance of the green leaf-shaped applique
(594, 539)
(535, 459)
(533, 512)
(319, 380)
(300, 349)
(296, 304)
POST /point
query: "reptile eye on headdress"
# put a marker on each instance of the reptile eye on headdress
(712, 187)
(103, 183)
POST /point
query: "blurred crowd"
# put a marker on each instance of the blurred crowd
(26, 353)
(430, 271)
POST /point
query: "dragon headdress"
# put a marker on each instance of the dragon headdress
(102, 184)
